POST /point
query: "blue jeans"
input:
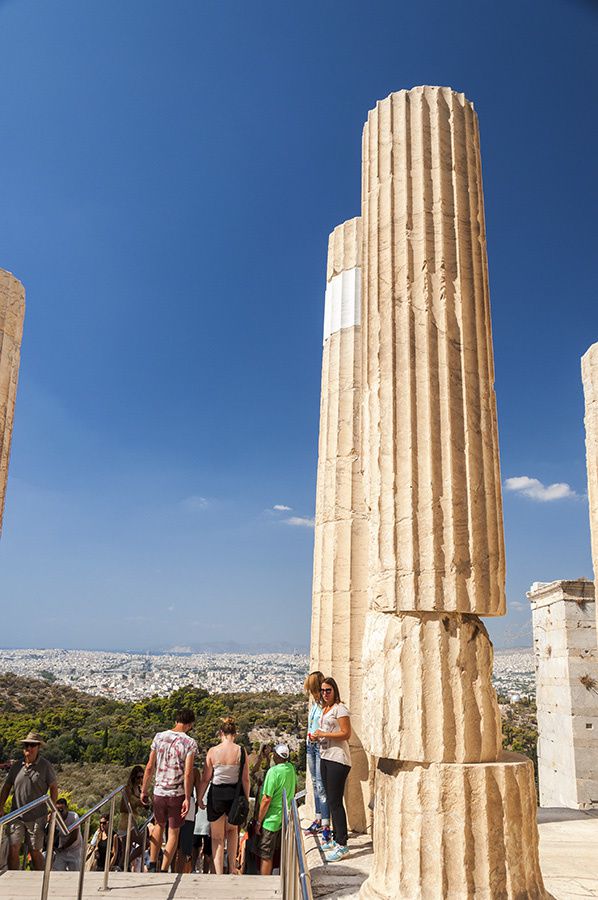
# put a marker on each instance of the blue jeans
(313, 764)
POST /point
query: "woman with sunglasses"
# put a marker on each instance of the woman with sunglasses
(313, 688)
(335, 763)
(96, 857)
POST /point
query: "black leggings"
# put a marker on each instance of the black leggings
(334, 776)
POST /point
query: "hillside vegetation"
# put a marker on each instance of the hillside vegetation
(80, 728)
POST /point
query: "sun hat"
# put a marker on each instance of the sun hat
(33, 738)
(282, 750)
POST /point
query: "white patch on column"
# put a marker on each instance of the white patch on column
(342, 305)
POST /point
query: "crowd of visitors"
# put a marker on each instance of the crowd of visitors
(192, 822)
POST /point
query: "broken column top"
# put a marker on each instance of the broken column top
(12, 306)
(344, 247)
(576, 590)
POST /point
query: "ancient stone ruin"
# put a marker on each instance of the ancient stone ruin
(589, 374)
(416, 432)
(12, 312)
(563, 616)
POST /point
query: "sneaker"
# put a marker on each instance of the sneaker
(338, 853)
(326, 833)
(315, 827)
(329, 845)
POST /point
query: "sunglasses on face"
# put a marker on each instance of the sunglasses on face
(29, 746)
(326, 691)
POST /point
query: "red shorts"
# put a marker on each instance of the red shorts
(168, 809)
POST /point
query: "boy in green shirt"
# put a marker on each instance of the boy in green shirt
(281, 776)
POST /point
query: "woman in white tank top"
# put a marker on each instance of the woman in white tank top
(222, 772)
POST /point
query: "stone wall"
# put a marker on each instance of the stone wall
(566, 692)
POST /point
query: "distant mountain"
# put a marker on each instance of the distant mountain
(234, 647)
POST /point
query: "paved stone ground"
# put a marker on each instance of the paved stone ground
(128, 886)
(568, 853)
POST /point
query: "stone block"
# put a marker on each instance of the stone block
(455, 832)
(427, 688)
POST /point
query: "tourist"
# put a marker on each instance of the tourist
(130, 801)
(202, 842)
(29, 779)
(96, 858)
(335, 761)
(185, 851)
(313, 687)
(68, 852)
(259, 763)
(226, 765)
(281, 777)
(171, 758)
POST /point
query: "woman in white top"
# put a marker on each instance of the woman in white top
(335, 763)
(222, 772)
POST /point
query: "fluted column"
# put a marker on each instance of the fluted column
(12, 311)
(589, 374)
(341, 537)
(449, 808)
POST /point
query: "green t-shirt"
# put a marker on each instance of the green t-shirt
(278, 778)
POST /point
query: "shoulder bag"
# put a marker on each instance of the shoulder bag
(240, 806)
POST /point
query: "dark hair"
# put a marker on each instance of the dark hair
(135, 773)
(228, 725)
(185, 716)
(334, 686)
(62, 801)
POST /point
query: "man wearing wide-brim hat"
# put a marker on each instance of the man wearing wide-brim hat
(29, 779)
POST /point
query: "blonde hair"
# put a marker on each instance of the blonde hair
(312, 685)
(228, 725)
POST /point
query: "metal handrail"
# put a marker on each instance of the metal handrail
(294, 872)
(85, 820)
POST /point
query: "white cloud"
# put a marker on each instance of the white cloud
(300, 521)
(516, 605)
(535, 490)
(195, 503)
(170, 608)
(280, 507)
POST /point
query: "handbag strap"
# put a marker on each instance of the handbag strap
(241, 767)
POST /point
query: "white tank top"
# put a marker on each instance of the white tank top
(226, 774)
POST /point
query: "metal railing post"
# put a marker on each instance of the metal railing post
(84, 846)
(109, 846)
(49, 857)
(128, 842)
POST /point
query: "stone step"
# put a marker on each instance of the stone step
(130, 886)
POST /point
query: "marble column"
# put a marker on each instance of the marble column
(454, 816)
(589, 374)
(12, 311)
(341, 535)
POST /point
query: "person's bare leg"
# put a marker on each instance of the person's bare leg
(13, 857)
(266, 866)
(37, 858)
(156, 842)
(170, 848)
(232, 843)
(218, 844)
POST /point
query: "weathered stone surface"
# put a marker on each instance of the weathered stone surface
(566, 692)
(589, 375)
(455, 832)
(341, 537)
(430, 449)
(12, 311)
(427, 688)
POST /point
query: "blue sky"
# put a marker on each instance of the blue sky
(169, 174)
